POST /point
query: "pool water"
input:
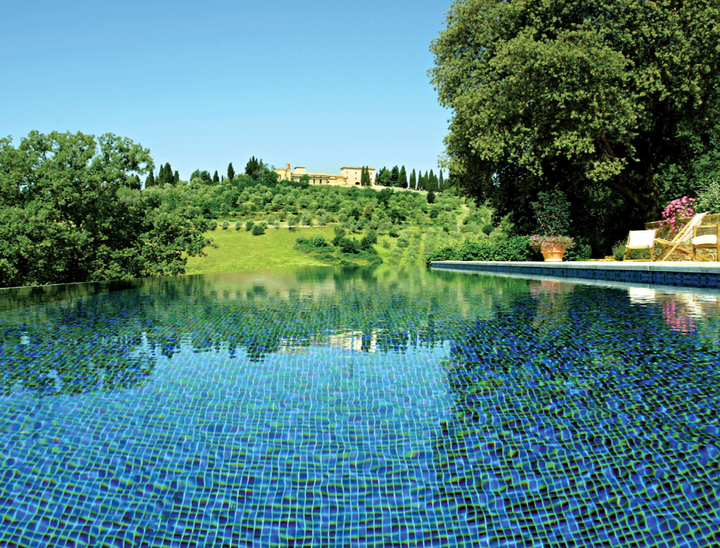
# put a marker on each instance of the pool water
(358, 407)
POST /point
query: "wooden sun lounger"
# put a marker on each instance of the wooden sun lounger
(685, 234)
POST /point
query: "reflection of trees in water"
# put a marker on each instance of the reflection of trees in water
(261, 317)
(82, 340)
(71, 349)
(575, 412)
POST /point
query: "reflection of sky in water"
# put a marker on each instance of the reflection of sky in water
(326, 408)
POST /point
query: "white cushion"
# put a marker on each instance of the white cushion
(706, 239)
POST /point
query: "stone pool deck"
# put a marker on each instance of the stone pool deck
(675, 273)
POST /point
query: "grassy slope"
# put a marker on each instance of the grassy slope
(240, 250)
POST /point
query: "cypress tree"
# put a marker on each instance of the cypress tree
(216, 177)
(424, 182)
(394, 176)
(165, 176)
(230, 172)
(402, 178)
(176, 177)
(150, 181)
(254, 168)
(432, 181)
(441, 183)
(413, 180)
(365, 176)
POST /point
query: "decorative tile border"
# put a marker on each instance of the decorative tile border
(704, 275)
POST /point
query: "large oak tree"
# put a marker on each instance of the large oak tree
(594, 94)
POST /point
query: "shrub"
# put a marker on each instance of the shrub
(384, 225)
(618, 250)
(238, 225)
(366, 244)
(318, 241)
(348, 245)
(709, 197)
(580, 252)
(372, 236)
(225, 225)
(512, 249)
(249, 224)
(259, 228)
(339, 235)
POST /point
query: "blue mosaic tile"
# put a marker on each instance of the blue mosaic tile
(324, 407)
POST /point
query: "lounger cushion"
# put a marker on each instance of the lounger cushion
(707, 239)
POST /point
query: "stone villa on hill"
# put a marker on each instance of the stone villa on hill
(348, 175)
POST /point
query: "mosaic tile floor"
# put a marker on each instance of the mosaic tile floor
(384, 408)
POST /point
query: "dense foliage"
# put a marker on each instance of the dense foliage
(71, 210)
(616, 103)
(516, 248)
(512, 249)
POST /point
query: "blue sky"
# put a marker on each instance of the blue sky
(322, 84)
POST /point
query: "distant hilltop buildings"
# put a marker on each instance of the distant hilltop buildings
(348, 175)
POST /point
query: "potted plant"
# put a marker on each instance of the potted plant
(552, 211)
(552, 247)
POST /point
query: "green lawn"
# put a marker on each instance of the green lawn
(240, 250)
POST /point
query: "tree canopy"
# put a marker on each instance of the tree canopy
(595, 97)
(71, 210)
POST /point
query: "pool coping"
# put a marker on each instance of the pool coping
(676, 273)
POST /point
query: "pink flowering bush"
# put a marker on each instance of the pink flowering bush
(675, 210)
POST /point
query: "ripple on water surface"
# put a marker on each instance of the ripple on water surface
(323, 407)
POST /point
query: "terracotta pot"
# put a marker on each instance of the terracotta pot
(553, 253)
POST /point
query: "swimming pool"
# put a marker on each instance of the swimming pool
(356, 407)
